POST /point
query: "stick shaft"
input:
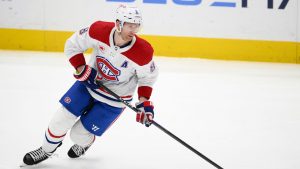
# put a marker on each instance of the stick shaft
(161, 127)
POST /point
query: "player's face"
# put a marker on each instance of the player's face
(129, 30)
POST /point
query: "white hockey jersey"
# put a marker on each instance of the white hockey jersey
(120, 69)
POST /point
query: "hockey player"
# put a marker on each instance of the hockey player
(122, 61)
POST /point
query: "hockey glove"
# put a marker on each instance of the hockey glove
(146, 113)
(88, 77)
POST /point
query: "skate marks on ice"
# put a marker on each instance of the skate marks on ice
(60, 162)
(4, 166)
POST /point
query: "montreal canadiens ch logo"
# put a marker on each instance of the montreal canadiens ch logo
(107, 70)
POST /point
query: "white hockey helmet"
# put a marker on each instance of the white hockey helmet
(130, 14)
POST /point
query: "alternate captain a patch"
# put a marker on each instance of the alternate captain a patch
(107, 70)
(124, 64)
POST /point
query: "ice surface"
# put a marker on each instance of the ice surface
(242, 115)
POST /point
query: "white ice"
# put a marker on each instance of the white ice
(241, 115)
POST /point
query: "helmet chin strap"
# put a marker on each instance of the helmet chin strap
(121, 26)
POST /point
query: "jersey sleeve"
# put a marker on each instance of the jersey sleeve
(76, 45)
(147, 75)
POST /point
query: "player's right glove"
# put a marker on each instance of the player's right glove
(88, 77)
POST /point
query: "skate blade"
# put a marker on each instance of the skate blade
(22, 165)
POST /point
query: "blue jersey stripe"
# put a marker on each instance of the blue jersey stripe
(51, 142)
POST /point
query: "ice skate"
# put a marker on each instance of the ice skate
(37, 156)
(77, 151)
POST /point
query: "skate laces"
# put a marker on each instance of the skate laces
(78, 150)
(39, 154)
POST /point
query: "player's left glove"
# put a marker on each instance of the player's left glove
(146, 113)
(88, 77)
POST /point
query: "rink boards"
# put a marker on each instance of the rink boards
(262, 30)
(211, 48)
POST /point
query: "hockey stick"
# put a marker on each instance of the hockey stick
(160, 127)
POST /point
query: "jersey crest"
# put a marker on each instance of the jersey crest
(107, 70)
